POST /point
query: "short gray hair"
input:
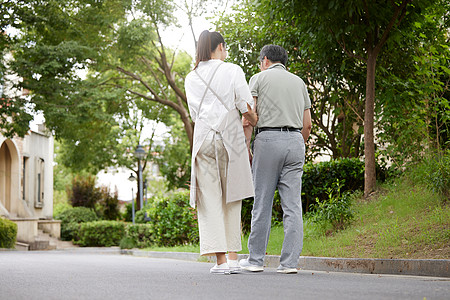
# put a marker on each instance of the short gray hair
(274, 53)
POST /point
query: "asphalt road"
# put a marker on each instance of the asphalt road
(65, 275)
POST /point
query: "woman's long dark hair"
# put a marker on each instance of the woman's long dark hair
(207, 43)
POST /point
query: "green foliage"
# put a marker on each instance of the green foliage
(318, 178)
(414, 109)
(108, 205)
(173, 221)
(317, 181)
(8, 233)
(84, 193)
(335, 210)
(434, 172)
(246, 215)
(127, 243)
(129, 76)
(174, 158)
(71, 219)
(101, 234)
(60, 202)
(128, 214)
(138, 236)
(14, 118)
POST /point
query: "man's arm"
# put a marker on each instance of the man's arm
(307, 125)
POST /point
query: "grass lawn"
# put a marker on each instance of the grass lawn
(400, 221)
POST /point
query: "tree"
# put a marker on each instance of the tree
(361, 29)
(421, 121)
(358, 29)
(334, 83)
(88, 65)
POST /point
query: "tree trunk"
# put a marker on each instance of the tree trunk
(369, 143)
(189, 128)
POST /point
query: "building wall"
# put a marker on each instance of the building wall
(26, 176)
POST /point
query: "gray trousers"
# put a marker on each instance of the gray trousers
(277, 163)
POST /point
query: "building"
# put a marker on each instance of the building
(26, 186)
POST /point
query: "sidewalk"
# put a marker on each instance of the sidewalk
(417, 267)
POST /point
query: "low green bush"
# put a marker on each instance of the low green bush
(8, 233)
(138, 236)
(434, 172)
(318, 178)
(101, 233)
(335, 210)
(107, 207)
(71, 219)
(173, 221)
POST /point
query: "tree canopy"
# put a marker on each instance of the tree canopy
(336, 47)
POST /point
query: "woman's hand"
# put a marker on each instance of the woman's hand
(250, 116)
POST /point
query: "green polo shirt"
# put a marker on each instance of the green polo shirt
(282, 97)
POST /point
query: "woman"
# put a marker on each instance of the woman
(220, 176)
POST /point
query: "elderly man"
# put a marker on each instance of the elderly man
(283, 107)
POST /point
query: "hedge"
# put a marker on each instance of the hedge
(101, 233)
(71, 219)
(316, 179)
(8, 233)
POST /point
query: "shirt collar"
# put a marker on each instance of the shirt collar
(276, 65)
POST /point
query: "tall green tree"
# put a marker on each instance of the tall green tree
(333, 81)
(88, 64)
(421, 120)
(344, 39)
(361, 29)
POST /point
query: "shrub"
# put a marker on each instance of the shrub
(71, 219)
(83, 192)
(434, 172)
(318, 178)
(438, 176)
(138, 236)
(173, 221)
(335, 210)
(60, 202)
(127, 243)
(8, 233)
(127, 215)
(108, 205)
(101, 233)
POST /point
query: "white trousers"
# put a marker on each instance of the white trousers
(219, 223)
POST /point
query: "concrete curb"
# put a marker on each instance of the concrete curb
(417, 267)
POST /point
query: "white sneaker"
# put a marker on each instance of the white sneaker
(245, 265)
(222, 269)
(234, 266)
(286, 270)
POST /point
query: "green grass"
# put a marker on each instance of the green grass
(401, 221)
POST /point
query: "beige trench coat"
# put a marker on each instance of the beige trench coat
(239, 183)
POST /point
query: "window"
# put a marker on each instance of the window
(40, 182)
(24, 177)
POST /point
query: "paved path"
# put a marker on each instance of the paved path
(67, 275)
